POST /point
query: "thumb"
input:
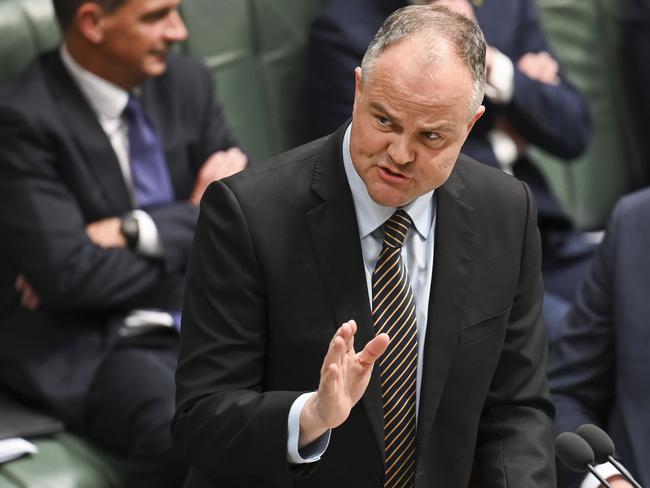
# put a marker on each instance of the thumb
(373, 350)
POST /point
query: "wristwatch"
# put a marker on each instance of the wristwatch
(130, 229)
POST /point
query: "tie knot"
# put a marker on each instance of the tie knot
(133, 109)
(395, 229)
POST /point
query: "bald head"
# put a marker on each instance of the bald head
(440, 33)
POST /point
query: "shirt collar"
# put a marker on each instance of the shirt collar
(370, 214)
(106, 99)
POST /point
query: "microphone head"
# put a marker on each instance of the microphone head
(573, 451)
(600, 442)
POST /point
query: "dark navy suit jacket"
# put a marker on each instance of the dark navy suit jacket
(58, 173)
(600, 364)
(277, 266)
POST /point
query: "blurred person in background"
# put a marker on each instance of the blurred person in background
(599, 367)
(106, 146)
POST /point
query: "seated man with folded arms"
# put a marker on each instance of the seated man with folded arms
(106, 146)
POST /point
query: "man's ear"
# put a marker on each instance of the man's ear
(358, 86)
(479, 113)
(89, 18)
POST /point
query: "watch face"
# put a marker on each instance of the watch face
(130, 230)
(130, 226)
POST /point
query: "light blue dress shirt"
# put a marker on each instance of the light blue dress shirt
(417, 253)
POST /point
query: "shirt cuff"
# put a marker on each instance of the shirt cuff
(501, 81)
(312, 452)
(606, 470)
(148, 239)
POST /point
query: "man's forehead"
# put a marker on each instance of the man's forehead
(412, 67)
(417, 52)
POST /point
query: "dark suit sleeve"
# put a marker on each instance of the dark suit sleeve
(515, 441)
(553, 117)
(229, 428)
(44, 233)
(582, 360)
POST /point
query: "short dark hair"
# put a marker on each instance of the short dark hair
(65, 10)
(436, 22)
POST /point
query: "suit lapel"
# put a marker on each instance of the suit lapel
(454, 247)
(89, 137)
(335, 235)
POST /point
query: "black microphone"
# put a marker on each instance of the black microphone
(603, 448)
(577, 454)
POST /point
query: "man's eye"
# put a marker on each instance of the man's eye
(156, 15)
(432, 136)
(383, 121)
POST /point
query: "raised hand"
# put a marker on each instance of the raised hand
(344, 378)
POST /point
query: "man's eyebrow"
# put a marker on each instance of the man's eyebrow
(438, 127)
(380, 108)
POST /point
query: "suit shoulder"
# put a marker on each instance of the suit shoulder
(185, 67)
(185, 76)
(633, 210)
(483, 181)
(282, 168)
(29, 89)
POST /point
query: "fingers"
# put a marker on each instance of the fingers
(540, 66)
(106, 233)
(219, 165)
(373, 350)
(341, 343)
(28, 297)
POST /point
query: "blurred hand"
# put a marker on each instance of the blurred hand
(28, 297)
(220, 165)
(106, 233)
(540, 66)
(344, 378)
(619, 482)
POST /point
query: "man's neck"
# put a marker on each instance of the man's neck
(88, 57)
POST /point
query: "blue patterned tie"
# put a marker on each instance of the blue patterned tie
(151, 180)
(393, 312)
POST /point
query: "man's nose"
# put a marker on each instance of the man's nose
(400, 151)
(176, 30)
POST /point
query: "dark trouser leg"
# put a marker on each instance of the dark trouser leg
(130, 407)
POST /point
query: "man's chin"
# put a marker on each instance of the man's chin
(157, 66)
(387, 196)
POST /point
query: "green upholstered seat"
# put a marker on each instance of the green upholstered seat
(27, 27)
(63, 461)
(257, 52)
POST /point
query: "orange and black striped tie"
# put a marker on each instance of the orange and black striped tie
(393, 312)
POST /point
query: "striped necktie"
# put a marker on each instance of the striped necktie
(393, 312)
